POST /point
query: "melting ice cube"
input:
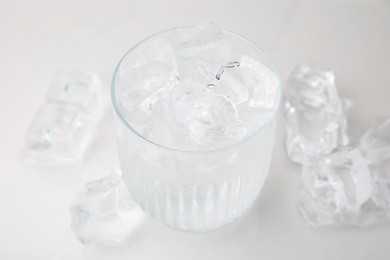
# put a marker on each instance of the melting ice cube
(57, 134)
(103, 212)
(335, 188)
(80, 89)
(375, 143)
(62, 128)
(316, 119)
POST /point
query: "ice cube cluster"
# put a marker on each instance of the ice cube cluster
(103, 212)
(343, 183)
(62, 127)
(189, 89)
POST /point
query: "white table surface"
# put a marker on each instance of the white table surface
(39, 38)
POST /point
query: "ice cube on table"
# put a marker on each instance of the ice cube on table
(57, 133)
(375, 146)
(336, 189)
(103, 212)
(315, 113)
(80, 89)
(378, 207)
(375, 142)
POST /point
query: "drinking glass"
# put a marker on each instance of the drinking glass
(187, 190)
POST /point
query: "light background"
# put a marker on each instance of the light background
(38, 38)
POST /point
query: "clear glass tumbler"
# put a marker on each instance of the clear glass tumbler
(194, 191)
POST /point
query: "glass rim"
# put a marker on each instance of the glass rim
(267, 121)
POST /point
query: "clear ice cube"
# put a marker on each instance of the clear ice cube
(250, 86)
(145, 79)
(375, 142)
(336, 188)
(147, 87)
(377, 209)
(103, 212)
(192, 41)
(217, 120)
(79, 89)
(211, 119)
(234, 82)
(202, 47)
(315, 113)
(261, 81)
(157, 50)
(57, 133)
